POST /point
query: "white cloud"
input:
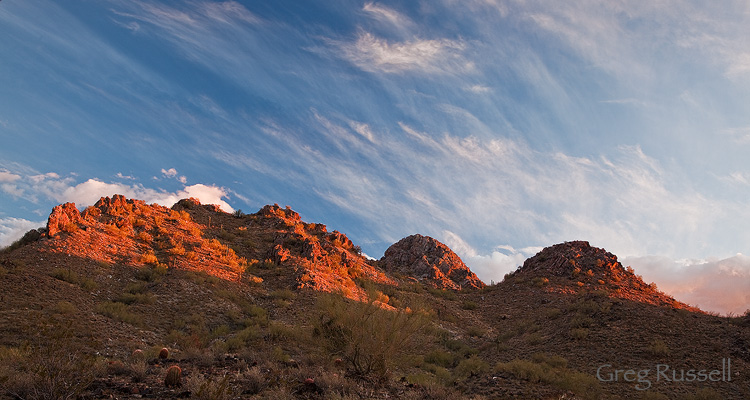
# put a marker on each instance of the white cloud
(169, 173)
(737, 178)
(51, 186)
(740, 135)
(128, 177)
(434, 56)
(8, 177)
(719, 285)
(383, 13)
(89, 192)
(12, 229)
(362, 129)
(182, 179)
(478, 89)
(491, 267)
(457, 244)
(12, 190)
(623, 37)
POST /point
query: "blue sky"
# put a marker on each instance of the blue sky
(497, 127)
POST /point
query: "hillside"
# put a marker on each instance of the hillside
(265, 305)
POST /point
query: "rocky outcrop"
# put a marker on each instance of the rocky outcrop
(577, 266)
(65, 218)
(574, 258)
(429, 261)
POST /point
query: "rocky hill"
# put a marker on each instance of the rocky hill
(267, 306)
(576, 266)
(430, 262)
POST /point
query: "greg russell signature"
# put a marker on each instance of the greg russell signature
(643, 378)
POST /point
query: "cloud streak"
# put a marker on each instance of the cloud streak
(719, 285)
(431, 56)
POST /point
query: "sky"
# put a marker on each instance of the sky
(497, 127)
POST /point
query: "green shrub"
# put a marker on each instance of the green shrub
(460, 347)
(579, 333)
(534, 338)
(469, 305)
(658, 348)
(369, 339)
(118, 312)
(65, 307)
(283, 294)
(72, 277)
(446, 294)
(473, 366)
(551, 370)
(135, 298)
(56, 369)
(540, 281)
(203, 388)
(440, 358)
(151, 273)
(581, 321)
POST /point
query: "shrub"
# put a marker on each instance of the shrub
(119, 312)
(148, 258)
(581, 321)
(253, 381)
(369, 339)
(469, 305)
(534, 338)
(579, 333)
(151, 274)
(55, 370)
(475, 331)
(283, 294)
(440, 358)
(207, 389)
(446, 294)
(658, 348)
(473, 366)
(540, 281)
(135, 298)
(65, 307)
(69, 276)
(552, 370)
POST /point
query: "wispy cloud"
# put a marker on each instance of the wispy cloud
(389, 15)
(6, 176)
(128, 177)
(740, 135)
(169, 173)
(478, 89)
(720, 285)
(433, 56)
(11, 229)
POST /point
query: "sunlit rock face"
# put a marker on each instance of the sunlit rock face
(429, 261)
(576, 267)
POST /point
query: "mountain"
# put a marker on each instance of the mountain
(429, 261)
(265, 305)
(574, 267)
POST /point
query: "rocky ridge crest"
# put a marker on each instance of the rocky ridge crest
(429, 261)
(576, 266)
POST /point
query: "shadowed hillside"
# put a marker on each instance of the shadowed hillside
(265, 305)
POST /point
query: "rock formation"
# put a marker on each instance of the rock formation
(430, 261)
(577, 266)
